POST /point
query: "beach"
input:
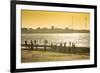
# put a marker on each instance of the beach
(29, 56)
(45, 47)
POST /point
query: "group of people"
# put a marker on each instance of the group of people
(33, 44)
(71, 44)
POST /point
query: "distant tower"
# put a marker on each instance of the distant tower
(85, 26)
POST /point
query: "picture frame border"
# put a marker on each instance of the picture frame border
(13, 35)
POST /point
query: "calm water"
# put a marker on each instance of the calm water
(81, 39)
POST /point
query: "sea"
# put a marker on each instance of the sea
(80, 39)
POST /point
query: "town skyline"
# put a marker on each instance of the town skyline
(52, 27)
(52, 30)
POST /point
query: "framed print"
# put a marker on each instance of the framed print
(52, 36)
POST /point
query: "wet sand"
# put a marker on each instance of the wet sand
(28, 56)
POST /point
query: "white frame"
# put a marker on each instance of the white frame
(51, 64)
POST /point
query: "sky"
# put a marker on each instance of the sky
(34, 19)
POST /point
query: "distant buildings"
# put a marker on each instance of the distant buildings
(52, 30)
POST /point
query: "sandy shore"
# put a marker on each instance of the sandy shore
(42, 56)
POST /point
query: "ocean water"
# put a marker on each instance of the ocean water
(80, 39)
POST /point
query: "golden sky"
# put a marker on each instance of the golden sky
(34, 19)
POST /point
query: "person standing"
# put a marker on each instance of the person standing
(45, 45)
(26, 45)
(31, 45)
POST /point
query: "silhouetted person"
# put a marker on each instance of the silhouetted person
(55, 47)
(73, 47)
(60, 47)
(45, 44)
(70, 47)
(51, 45)
(69, 44)
(64, 49)
(35, 43)
(31, 45)
(26, 44)
(72, 44)
(65, 45)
